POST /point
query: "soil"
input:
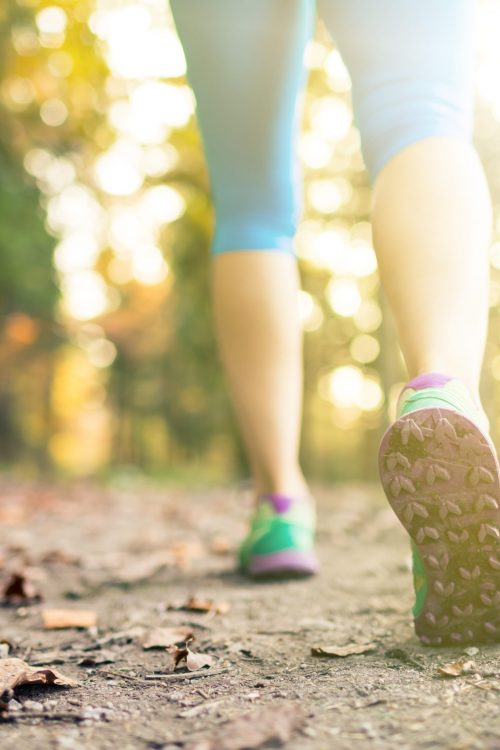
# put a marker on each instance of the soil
(135, 553)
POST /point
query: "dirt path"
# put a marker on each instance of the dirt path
(136, 555)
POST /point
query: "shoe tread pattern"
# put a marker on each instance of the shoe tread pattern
(441, 477)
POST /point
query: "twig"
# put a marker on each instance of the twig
(124, 676)
(12, 717)
(489, 685)
(27, 653)
(169, 677)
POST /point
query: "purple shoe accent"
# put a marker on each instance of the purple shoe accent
(428, 380)
(280, 503)
(284, 562)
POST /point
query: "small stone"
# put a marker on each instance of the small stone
(32, 706)
(309, 732)
(472, 651)
(68, 741)
(252, 696)
(95, 714)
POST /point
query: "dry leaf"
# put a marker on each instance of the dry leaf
(178, 654)
(100, 657)
(68, 618)
(184, 552)
(164, 637)
(457, 668)
(135, 633)
(16, 672)
(340, 651)
(194, 661)
(18, 590)
(142, 568)
(271, 726)
(194, 604)
(220, 545)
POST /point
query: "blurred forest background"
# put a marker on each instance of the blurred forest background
(107, 354)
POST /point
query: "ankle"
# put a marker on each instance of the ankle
(294, 485)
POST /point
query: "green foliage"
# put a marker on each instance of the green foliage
(27, 276)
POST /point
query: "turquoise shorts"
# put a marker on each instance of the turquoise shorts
(411, 64)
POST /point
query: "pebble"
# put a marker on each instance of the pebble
(96, 714)
(252, 696)
(32, 706)
(69, 742)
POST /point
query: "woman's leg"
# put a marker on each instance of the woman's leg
(245, 66)
(412, 68)
(431, 223)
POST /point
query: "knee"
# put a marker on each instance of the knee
(396, 115)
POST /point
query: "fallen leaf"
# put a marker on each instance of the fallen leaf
(121, 637)
(193, 604)
(68, 618)
(194, 661)
(184, 552)
(457, 668)
(142, 568)
(18, 590)
(49, 657)
(93, 660)
(340, 651)
(163, 637)
(220, 545)
(270, 726)
(178, 654)
(16, 672)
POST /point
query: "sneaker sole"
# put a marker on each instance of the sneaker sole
(284, 564)
(441, 476)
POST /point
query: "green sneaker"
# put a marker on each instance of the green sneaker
(440, 473)
(281, 538)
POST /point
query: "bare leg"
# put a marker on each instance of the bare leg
(255, 303)
(431, 223)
